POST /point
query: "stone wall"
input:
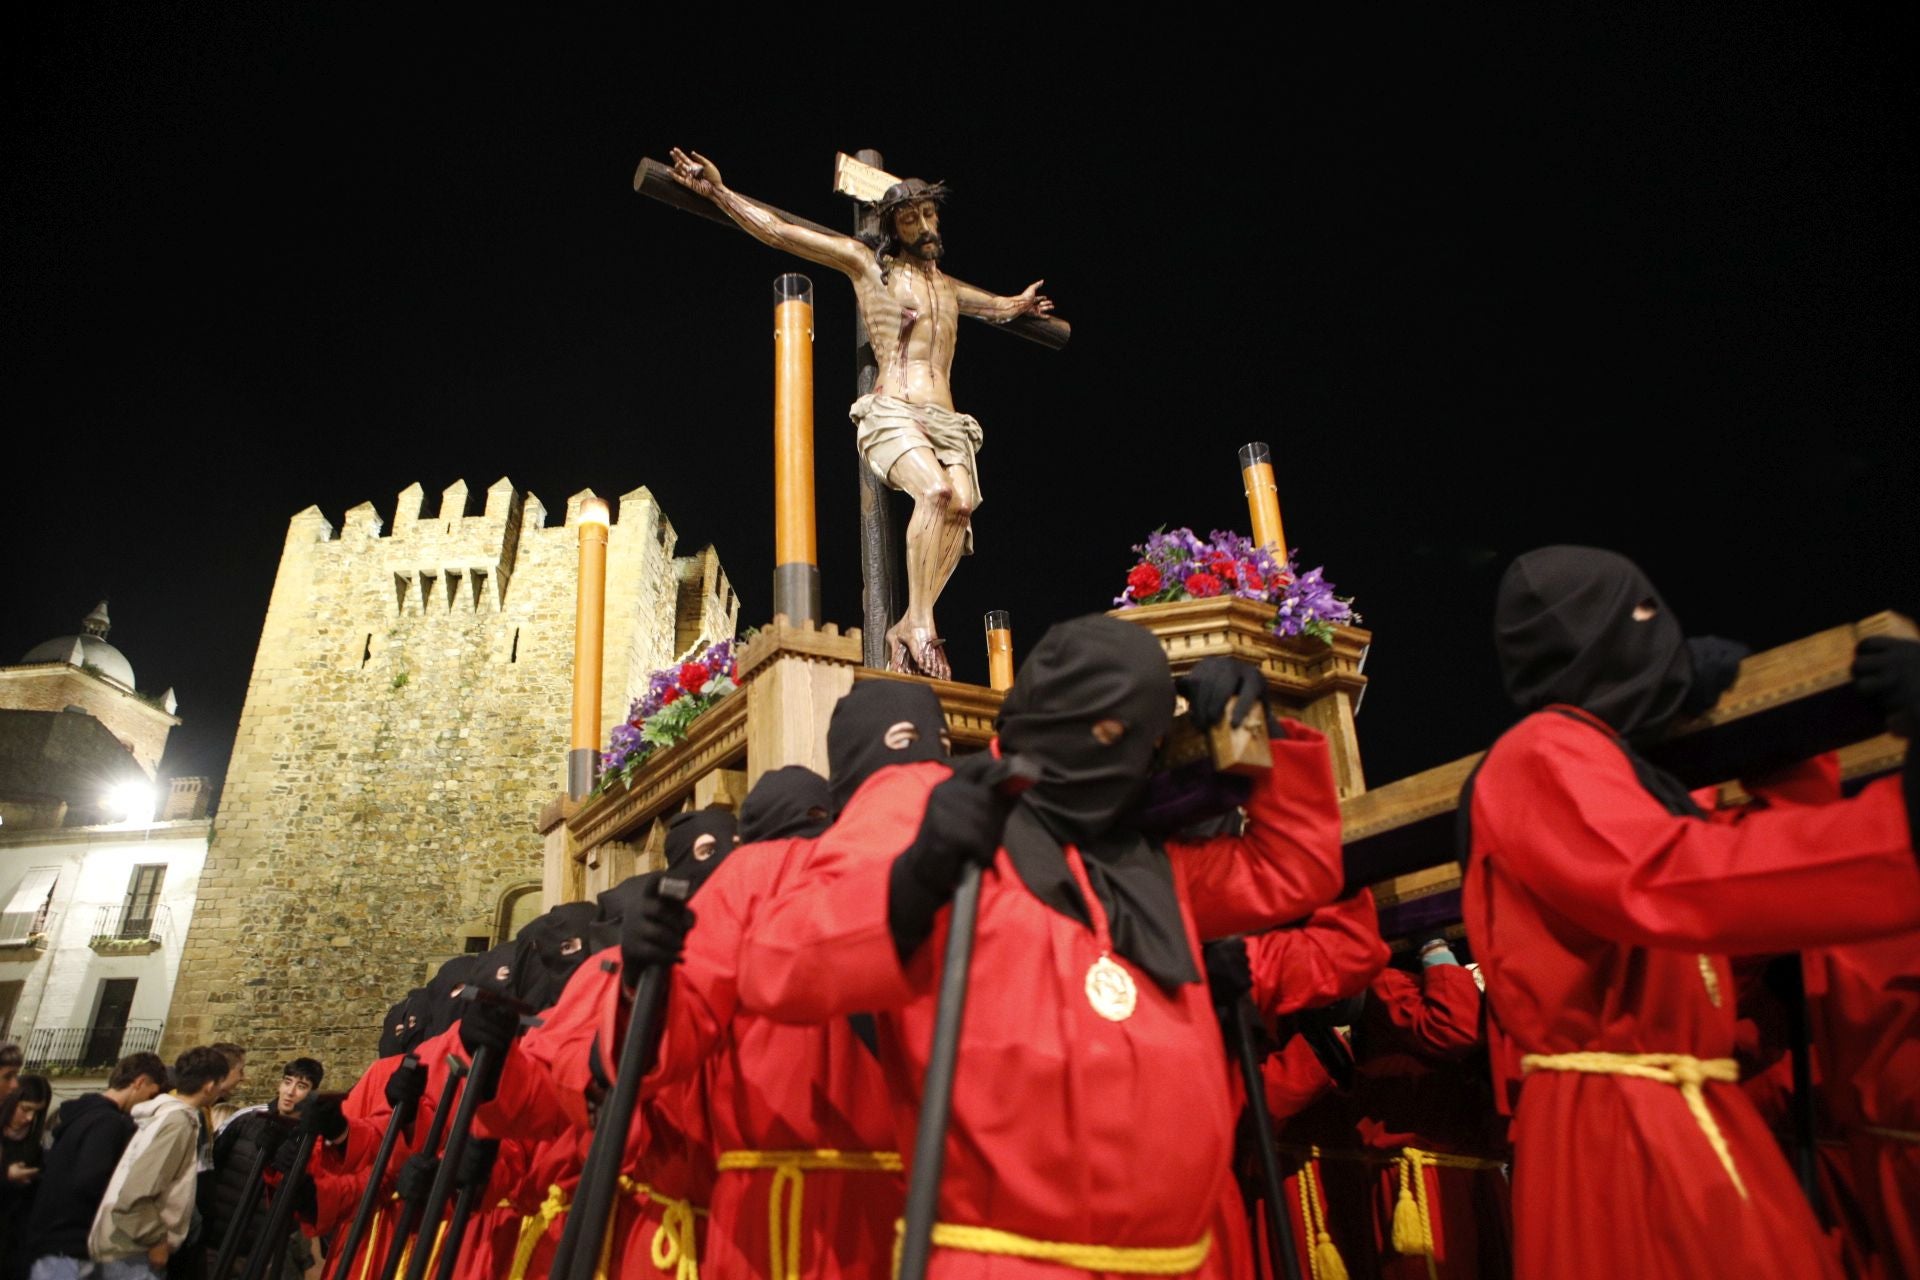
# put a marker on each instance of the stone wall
(406, 718)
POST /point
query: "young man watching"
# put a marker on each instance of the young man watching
(93, 1132)
(236, 1145)
(148, 1208)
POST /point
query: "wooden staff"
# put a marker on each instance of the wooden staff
(1280, 1241)
(249, 1200)
(399, 1121)
(578, 1256)
(410, 1214)
(1008, 777)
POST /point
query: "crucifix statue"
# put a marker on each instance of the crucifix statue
(906, 427)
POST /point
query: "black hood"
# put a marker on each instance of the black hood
(689, 856)
(862, 728)
(440, 1010)
(789, 802)
(405, 1024)
(1585, 627)
(1081, 673)
(556, 945)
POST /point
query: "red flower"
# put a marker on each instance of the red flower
(1251, 579)
(733, 672)
(1143, 581)
(1224, 568)
(671, 696)
(693, 676)
(1201, 585)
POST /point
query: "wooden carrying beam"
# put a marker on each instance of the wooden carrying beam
(656, 180)
(1788, 704)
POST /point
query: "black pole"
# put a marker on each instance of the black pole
(273, 1237)
(481, 1078)
(936, 1095)
(578, 1255)
(1286, 1253)
(410, 1210)
(463, 1206)
(256, 1182)
(398, 1123)
(1792, 989)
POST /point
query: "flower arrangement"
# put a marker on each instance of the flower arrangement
(1177, 565)
(661, 716)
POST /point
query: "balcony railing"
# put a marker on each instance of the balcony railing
(116, 929)
(71, 1049)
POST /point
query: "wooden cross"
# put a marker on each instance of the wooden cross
(862, 178)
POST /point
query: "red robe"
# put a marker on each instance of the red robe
(1066, 1127)
(1599, 919)
(1863, 1009)
(544, 1089)
(776, 1087)
(339, 1172)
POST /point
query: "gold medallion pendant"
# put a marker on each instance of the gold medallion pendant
(1110, 990)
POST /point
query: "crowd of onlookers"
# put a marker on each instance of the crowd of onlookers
(145, 1178)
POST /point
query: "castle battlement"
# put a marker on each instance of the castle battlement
(408, 709)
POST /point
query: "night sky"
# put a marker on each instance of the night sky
(1482, 287)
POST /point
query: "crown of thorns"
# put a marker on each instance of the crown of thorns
(911, 191)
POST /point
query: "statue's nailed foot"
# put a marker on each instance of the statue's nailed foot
(917, 651)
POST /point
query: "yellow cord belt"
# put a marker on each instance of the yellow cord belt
(1684, 1070)
(789, 1181)
(1323, 1256)
(1176, 1260)
(1891, 1135)
(373, 1238)
(533, 1228)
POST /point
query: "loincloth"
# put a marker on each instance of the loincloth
(886, 428)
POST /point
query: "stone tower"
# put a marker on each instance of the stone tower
(406, 718)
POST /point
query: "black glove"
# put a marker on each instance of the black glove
(486, 1025)
(322, 1114)
(277, 1136)
(406, 1084)
(416, 1178)
(653, 932)
(1229, 973)
(1887, 671)
(1213, 684)
(961, 828)
(476, 1162)
(1716, 661)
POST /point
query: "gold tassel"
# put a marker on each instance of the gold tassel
(1411, 1234)
(1326, 1259)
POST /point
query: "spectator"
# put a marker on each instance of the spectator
(148, 1209)
(23, 1123)
(92, 1132)
(10, 1060)
(221, 1110)
(234, 1149)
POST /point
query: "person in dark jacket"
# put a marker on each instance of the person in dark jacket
(89, 1134)
(234, 1148)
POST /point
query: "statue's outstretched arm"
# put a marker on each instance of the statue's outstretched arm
(843, 253)
(991, 306)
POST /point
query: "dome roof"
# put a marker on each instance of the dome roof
(89, 649)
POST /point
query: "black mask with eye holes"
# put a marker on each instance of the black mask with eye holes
(881, 722)
(785, 803)
(1585, 627)
(557, 943)
(697, 842)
